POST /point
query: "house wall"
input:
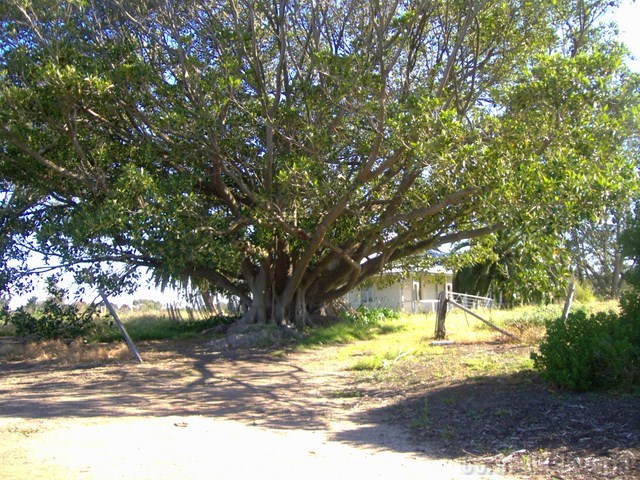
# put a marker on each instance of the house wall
(401, 295)
(430, 290)
(388, 297)
(373, 297)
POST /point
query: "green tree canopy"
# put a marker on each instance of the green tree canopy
(286, 151)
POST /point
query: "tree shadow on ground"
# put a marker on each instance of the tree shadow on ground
(520, 424)
(511, 420)
(253, 386)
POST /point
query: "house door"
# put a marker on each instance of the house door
(415, 297)
(415, 292)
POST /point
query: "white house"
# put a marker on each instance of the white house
(415, 292)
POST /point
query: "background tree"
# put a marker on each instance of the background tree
(518, 268)
(146, 304)
(630, 241)
(287, 151)
(525, 265)
(596, 251)
(533, 267)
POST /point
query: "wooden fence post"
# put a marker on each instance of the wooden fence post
(441, 331)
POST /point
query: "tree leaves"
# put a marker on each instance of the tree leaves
(306, 145)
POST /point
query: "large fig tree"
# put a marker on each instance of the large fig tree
(285, 151)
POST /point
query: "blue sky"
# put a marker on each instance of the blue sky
(628, 20)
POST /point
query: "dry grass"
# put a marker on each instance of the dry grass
(59, 351)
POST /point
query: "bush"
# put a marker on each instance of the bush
(371, 316)
(590, 352)
(584, 293)
(54, 320)
(630, 306)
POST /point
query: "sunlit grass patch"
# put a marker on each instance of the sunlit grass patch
(412, 343)
(338, 333)
(382, 360)
(415, 333)
(368, 363)
(407, 334)
(352, 329)
(528, 322)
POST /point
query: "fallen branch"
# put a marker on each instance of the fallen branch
(125, 335)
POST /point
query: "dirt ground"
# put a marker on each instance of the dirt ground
(191, 413)
(520, 425)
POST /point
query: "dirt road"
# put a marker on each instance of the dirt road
(189, 413)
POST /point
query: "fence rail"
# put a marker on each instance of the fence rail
(468, 301)
(472, 301)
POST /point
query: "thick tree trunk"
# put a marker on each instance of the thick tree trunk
(257, 282)
(207, 299)
(301, 316)
(269, 300)
(441, 331)
(267, 307)
(278, 313)
(257, 312)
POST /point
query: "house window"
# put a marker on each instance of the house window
(366, 294)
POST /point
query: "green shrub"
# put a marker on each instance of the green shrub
(371, 316)
(590, 352)
(54, 320)
(630, 306)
